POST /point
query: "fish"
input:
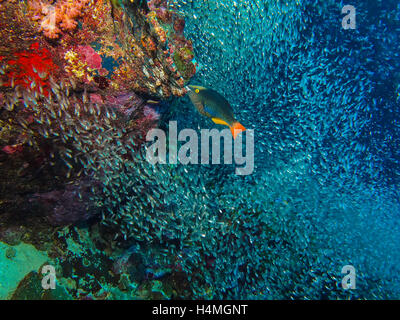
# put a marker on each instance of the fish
(211, 104)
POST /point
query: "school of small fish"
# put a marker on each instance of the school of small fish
(323, 103)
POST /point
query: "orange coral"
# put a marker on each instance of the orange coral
(148, 43)
(57, 17)
(159, 31)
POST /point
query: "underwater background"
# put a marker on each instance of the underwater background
(78, 97)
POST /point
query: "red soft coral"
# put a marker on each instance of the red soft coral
(30, 69)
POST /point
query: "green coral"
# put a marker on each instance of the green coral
(26, 259)
(180, 58)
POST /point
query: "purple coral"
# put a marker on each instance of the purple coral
(150, 113)
(68, 206)
(125, 102)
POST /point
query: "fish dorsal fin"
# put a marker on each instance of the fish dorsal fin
(219, 121)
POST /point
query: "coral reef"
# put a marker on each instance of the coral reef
(30, 69)
(89, 74)
(81, 83)
(58, 17)
(80, 86)
(87, 43)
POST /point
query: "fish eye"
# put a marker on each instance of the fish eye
(197, 90)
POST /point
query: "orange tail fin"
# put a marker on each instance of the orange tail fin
(236, 128)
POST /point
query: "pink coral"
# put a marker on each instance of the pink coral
(48, 23)
(11, 149)
(68, 23)
(96, 98)
(90, 56)
(125, 102)
(150, 113)
(154, 4)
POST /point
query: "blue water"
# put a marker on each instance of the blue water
(323, 102)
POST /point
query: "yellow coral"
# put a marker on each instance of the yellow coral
(77, 67)
(152, 18)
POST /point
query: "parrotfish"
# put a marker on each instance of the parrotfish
(211, 104)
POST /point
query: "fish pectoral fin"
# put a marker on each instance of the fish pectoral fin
(219, 121)
(201, 110)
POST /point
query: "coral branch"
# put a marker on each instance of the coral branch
(54, 18)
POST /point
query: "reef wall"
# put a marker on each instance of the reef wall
(75, 74)
(81, 83)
